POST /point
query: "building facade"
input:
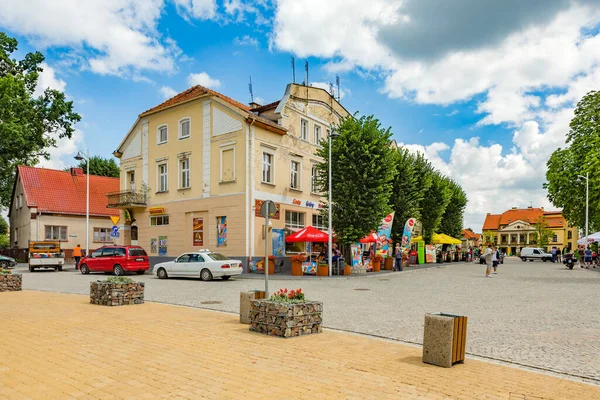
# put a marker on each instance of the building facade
(196, 168)
(51, 205)
(515, 229)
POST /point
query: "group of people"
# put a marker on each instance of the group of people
(586, 258)
(492, 258)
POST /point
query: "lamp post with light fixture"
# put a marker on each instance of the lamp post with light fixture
(86, 157)
(332, 134)
(587, 204)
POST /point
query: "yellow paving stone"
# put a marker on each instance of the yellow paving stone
(158, 351)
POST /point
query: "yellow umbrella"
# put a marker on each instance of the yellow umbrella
(438, 239)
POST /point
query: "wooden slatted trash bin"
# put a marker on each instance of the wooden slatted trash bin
(246, 299)
(444, 339)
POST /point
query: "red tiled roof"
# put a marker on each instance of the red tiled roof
(467, 234)
(199, 91)
(56, 191)
(266, 107)
(491, 221)
(529, 215)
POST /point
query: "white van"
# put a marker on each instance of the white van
(535, 253)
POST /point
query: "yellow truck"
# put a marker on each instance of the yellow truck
(45, 254)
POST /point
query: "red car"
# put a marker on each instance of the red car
(116, 259)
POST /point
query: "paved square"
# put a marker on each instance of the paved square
(535, 314)
(60, 346)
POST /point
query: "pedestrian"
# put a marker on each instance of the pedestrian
(587, 257)
(77, 255)
(553, 251)
(488, 256)
(398, 257)
(495, 259)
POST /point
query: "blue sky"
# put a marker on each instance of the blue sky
(486, 98)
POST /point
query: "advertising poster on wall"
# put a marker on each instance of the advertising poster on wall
(309, 268)
(278, 242)
(258, 203)
(198, 232)
(256, 264)
(162, 245)
(356, 251)
(430, 253)
(221, 231)
(153, 246)
(384, 233)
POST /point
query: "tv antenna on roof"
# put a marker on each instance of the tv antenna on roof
(293, 70)
(337, 82)
(250, 88)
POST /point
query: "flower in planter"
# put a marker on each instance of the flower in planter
(120, 280)
(377, 258)
(298, 258)
(5, 271)
(285, 296)
(271, 258)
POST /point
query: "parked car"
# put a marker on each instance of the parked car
(7, 262)
(116, 259)
(203, 264)
(535, 253)
(482, 259)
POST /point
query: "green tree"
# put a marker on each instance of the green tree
(565, 190)
(434, 204)
(4, 241)
(408, 189)
(29, 125)
(363, 170)
(101, 166)
(3, 226)
(542, 232)
(452, 219)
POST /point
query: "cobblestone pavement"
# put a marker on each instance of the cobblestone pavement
(535, 314)
(61, 347)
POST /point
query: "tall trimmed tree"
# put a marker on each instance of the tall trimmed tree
(363, 171)
(452, 219)
(101, 166)
(434, 204)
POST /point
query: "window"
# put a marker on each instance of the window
(131, 180)
(119, 252)
(97, 253)
(295, 175)
(317, 134)
(319, 222)
(137, 252)
(303, 129)
(569, 235)
(102, 235)
(555, 238)
(108, 252)
(294, 219)
(184, 168)
(159, 220)
(16, 235)
(314, 179)
(184, 128)
(163, 178)
(267, 170)
(227, 164)
(162, 134)
(134, 232)
(56, 232)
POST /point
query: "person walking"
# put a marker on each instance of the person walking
(495, 259)
(553, 252)
(398, 257)
(77, 255)
(488, 256)
(587, 257)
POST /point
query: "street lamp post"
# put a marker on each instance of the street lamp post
(587, 204)
(86, 157)
(332, 134)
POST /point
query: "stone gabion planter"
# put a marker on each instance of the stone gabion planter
(286, 319)
(116, 294)
(358, 270)
(10, 282)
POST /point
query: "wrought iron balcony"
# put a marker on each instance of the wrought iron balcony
(127, 198)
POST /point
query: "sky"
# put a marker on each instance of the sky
(485, 89)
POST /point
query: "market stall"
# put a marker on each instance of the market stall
(443, 248)
(307, 236)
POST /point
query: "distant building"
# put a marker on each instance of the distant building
(470, 239)
(514, 229)
(49, 204)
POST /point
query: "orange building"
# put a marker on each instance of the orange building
(514, 229)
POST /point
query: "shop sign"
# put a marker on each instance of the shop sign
(296, 202)
(198, 232)
(310, 204)
(156, 210)
(258, 204)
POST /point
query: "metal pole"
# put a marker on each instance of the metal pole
(87, 207)
(267, 257)
(587, 193)
(329, 240)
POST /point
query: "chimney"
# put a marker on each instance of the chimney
(77, 171)
(253, 105)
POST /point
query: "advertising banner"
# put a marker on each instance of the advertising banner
(278, 242)
(406, 235)
(421, 252)
(430, 253)
(356, 251)
(309, 268)
(198, 232)
(384, 233)
(258, 204)
(221, 231)
(162, 245)
(153, 246)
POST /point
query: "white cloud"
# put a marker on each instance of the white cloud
(259, 100)
(452, 113)
(325, 85)
(245, 40)
(196, 9)
(203, 79)
(62, 155)
(167, 92)
(116, 37)
(47, 80)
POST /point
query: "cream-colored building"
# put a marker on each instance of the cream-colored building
(195, 169)
(49, 204)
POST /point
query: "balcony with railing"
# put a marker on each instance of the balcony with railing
(126, 199)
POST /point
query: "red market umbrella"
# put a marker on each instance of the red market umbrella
(370, 238)
(310, 234)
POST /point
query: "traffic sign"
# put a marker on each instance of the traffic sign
(115, 219)
(115, 229)
(268, 208)
(115, 235)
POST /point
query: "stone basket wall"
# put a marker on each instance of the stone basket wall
(116, 294)
(286, 319)
(10, 282)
